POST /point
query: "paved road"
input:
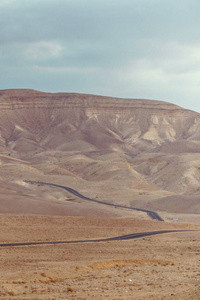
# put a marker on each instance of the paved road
(118, 238)
(153, 215)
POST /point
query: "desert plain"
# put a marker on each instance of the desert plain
(137, 153)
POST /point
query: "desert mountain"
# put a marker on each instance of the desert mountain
(32, 120)
(130, 151)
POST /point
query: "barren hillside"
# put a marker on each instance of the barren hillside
(129, 151)
(34, 120)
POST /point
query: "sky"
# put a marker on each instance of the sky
(146, 49)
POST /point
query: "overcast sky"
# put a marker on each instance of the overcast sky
(122, 48)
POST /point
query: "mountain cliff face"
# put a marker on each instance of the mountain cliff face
(32, 120)
(151, 149)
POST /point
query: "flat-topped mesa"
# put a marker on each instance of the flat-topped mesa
(89, 122)
(84, 100)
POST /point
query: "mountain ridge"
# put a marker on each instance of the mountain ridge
(149, 148)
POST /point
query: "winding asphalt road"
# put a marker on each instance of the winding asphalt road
(118, 238)
(153, 215)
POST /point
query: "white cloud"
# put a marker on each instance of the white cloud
(65, 69)
(43, 49)
(6, 2)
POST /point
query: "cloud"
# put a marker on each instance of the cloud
(6, 2)
(68, 70)
(43, 50)
(130, 48)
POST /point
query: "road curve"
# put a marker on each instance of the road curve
(117, 238)
(152, 214)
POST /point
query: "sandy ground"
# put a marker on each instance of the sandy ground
(158, 267)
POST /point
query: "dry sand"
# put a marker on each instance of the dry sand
(158, 267)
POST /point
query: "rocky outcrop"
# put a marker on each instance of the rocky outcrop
(31, 120)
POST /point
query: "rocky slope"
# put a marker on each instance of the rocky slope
(33, 120)
(150, 149)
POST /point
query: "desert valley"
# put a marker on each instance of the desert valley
(136, 153)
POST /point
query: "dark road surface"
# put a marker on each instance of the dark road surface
(153, 215)
(118, 238)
